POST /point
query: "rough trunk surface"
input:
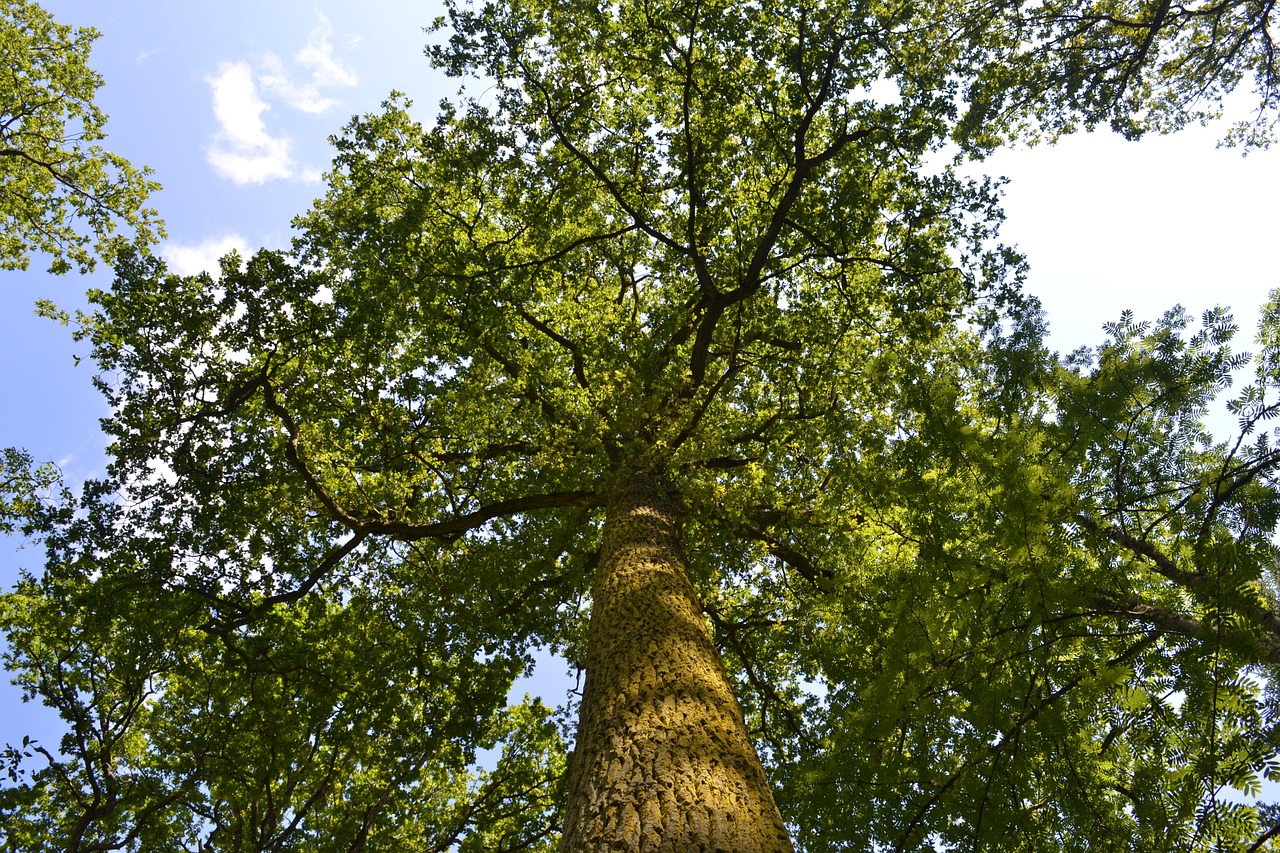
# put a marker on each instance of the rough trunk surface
(663, 761)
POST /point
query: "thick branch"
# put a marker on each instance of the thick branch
(787, 554)
(1170, 622)
(754, 275)
(1142, 52)
(1264, 838)
(404, 531)
(453, 528)
(1195, 581)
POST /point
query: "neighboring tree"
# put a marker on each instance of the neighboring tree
(1080, 651)
(681, 325)
(54, 181)
(1137, 66)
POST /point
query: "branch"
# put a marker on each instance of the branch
(63, 179)
(537, 263)
(762, 686)
(1170, 622)
(1264, 838)
(1197, 581)
(1006, 737)
(610, 185)
(787, 554)
(1140, 54)
(336, 511)
(697, 200)
(323, 568)
(753, 277)
(457, 526)
(579, 364)
(220, 627)
(406, 531)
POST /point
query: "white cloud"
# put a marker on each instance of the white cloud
(243, 149)
(326, 72)
(305, 97)
(195, 258)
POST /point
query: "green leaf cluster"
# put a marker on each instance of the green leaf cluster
(61, 192)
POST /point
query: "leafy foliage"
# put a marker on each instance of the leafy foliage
(53, 175)
(1135, 65)
(1067, 637)
(23, 484)
(972, 595)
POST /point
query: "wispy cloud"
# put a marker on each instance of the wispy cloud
(326, 72)
(244, 150)
(195, 258)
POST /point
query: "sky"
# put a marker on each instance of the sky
(231, 104)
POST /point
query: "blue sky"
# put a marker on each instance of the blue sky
(231, 104)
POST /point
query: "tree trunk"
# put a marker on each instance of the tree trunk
(663, 761)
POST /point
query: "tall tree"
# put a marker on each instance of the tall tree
(55, 179)
(675, 350)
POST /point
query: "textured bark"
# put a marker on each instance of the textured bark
(663, 761)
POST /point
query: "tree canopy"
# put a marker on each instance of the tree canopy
(55, 180)
(703, 263)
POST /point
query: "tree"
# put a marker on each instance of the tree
(1138, 66)
(1080, 655)
(52, 176)
(679, 325)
